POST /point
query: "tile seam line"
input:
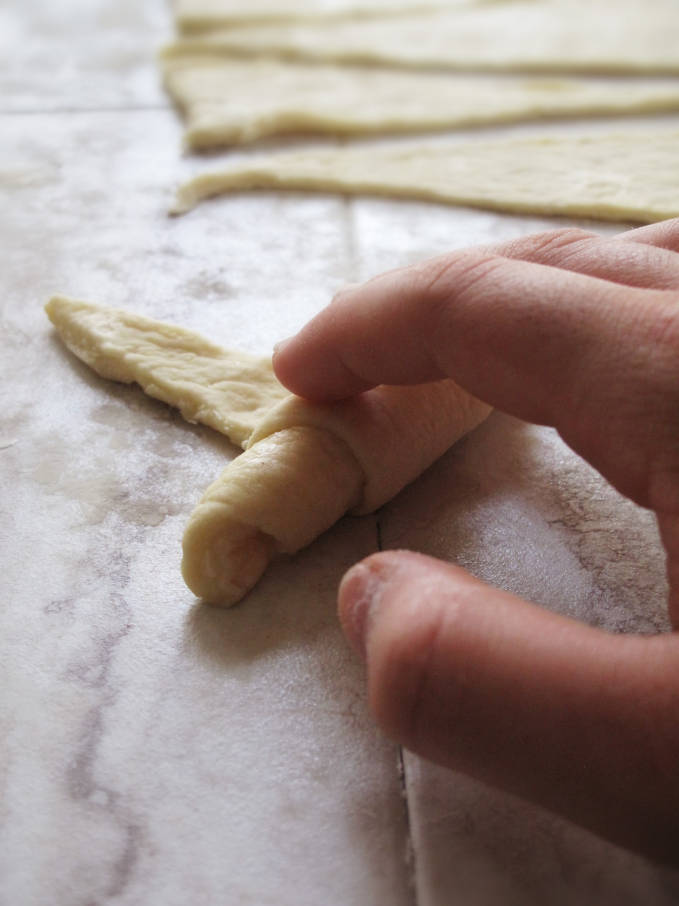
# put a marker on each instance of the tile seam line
(75, 111)
(410, 854)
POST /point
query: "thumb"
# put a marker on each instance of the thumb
(571, 717)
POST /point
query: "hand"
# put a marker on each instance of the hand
(565, 329)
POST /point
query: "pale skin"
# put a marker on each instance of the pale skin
(566, 329)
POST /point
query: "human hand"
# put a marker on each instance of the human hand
(565, 329)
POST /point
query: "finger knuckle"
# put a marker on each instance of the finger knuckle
(671, 235)
(558, 241)
(453, 276)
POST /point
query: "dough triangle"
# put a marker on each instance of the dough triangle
(227, 390)
(626, 176)
(199, 15)
(590, 36)
(229, 100)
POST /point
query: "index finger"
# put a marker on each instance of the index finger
(593, 358)
(518, 334)
(318, 363)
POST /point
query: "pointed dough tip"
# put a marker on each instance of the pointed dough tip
(184, 202)
(56, 305)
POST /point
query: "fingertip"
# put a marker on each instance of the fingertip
(288, 362)
(390, 608)
(283, 361)
(357, 595)
(402, 607)
(309, 365)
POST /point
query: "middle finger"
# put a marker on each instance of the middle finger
(628, 263)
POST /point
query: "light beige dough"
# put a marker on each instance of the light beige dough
(305, 465)
(226, 390)
(586, 36)
(200, 15)
(230, 101)
(628, 176)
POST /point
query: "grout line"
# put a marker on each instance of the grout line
(350, 239)
(410, 856)
(28, 111)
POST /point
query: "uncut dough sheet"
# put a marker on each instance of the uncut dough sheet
(598, 36)
(229, 101)
(305, 465)
(196, 15)
(626, 176)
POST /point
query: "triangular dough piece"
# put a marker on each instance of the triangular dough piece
(553, 35)
(198, 15)
(228, 100)
(227, 390)
(628, 176)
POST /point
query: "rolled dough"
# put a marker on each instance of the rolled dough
(305, 465)
(197, 15)
(229, 100)
(627, 176)
(590, 36)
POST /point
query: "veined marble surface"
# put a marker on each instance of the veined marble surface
(155, 751)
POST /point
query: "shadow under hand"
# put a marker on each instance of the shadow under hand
(292, 604)
(514, 505)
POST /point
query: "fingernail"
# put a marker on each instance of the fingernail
(280, 346)
(345, 290)
(359, 594)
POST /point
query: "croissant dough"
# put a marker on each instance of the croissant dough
(305, 464)
(229, 100)
(196, 15)
(228, 391)
(628, 176)
(590, 36)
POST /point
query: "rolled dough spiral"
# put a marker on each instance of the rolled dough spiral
(306, 466)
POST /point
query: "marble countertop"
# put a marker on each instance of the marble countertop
(156, 751)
